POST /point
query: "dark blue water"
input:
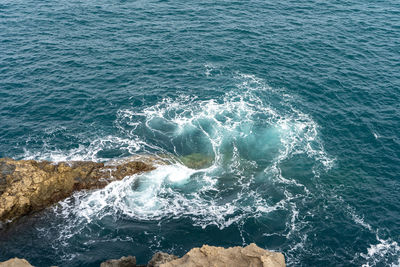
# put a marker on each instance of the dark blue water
(294, 105)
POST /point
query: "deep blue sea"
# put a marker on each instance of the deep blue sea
(293, 105)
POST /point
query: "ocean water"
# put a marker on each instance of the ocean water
(283, 118)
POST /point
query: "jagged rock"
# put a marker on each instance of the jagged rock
(29, 185)
(160, 258)
(15, 262)
(122, 262)
(206, 256)
(209, 256)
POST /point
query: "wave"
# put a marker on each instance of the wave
(227, 154)
(384, 251)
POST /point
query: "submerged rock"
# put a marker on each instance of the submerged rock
(28, 185)
(197, 161)
(250, 256)
(156, 261)
(122, 262)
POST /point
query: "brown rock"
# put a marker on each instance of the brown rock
(209, 256)
(206, 256)
(15, 262)
(122, 262)
(160, 258)
(29, 185)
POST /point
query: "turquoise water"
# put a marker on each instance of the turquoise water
(294, 105)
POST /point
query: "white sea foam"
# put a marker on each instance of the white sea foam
(152, 196)
(89, 152)
(252, 127)
(386, 251)
(210, 69)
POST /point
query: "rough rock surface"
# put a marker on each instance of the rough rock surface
(209, 256)
(29, 185)
(206, 256)
(15, 262)
(159, 258)
(122, 262)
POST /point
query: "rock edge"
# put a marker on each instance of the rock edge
(27, 186)
(206, 256)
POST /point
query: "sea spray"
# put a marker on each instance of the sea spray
(225, 165)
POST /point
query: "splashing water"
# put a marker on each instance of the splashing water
(237, 143)
(279, 120)
(246, 160)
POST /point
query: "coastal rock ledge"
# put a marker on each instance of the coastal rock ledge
(209, 256)
(206, 256)
(28, 185)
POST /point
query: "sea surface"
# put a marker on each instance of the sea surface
(282, 117)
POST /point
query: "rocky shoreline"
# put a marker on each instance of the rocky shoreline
(206, 256)
(27, 186)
